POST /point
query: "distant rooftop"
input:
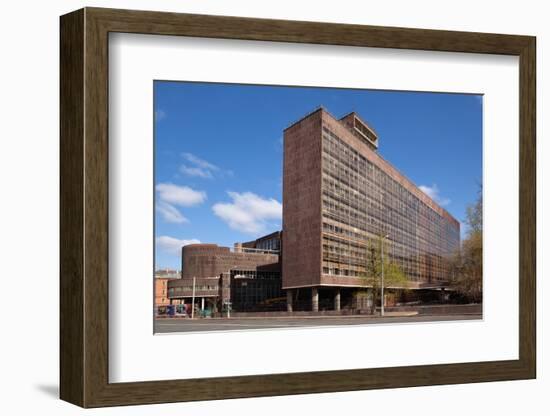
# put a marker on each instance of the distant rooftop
(167, 273)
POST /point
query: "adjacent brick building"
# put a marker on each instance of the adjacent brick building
(162, 277)
(217, 276)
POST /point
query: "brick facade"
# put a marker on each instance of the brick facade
(211, 260)
(302, 203)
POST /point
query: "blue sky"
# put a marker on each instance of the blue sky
(218, 153)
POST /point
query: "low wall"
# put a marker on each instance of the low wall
(470, 309)
(295, 313)
(473, 309)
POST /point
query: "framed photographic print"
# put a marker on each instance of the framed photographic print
(255, 207)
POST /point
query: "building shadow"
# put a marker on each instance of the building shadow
(51, 390)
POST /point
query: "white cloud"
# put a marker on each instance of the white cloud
(201, 163)
(173, 245)
(196, 171)
(180, 195)
(433, 192)
(201, 168)
(170, 213)
(160, 115)
(170, 195)
(279, 144)
(249, 212)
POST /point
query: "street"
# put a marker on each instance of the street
(167, 325)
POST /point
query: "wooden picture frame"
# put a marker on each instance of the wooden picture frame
(84, 207)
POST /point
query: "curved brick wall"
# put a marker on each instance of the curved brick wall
(210, 260)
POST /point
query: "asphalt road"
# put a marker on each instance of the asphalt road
(167, 325)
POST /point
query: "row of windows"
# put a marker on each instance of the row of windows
(269, 244)
(360, 201)
(357, 224)
(254, 274)
(405, 204)
(178, 289)
(349, 158)
(375, 199)
(379, 204)
(336, 271)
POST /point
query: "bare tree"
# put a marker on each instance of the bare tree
(467, 264)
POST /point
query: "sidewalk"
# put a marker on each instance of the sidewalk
(265, 316)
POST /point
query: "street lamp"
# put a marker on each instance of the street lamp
(193, 299)
(382, 276)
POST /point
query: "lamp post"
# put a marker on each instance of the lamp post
(382, 275)
(193, 300)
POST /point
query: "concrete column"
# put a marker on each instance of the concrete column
(289, 300)
(314, 299)
(337, 299)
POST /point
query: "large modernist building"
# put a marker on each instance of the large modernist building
(338, 193)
